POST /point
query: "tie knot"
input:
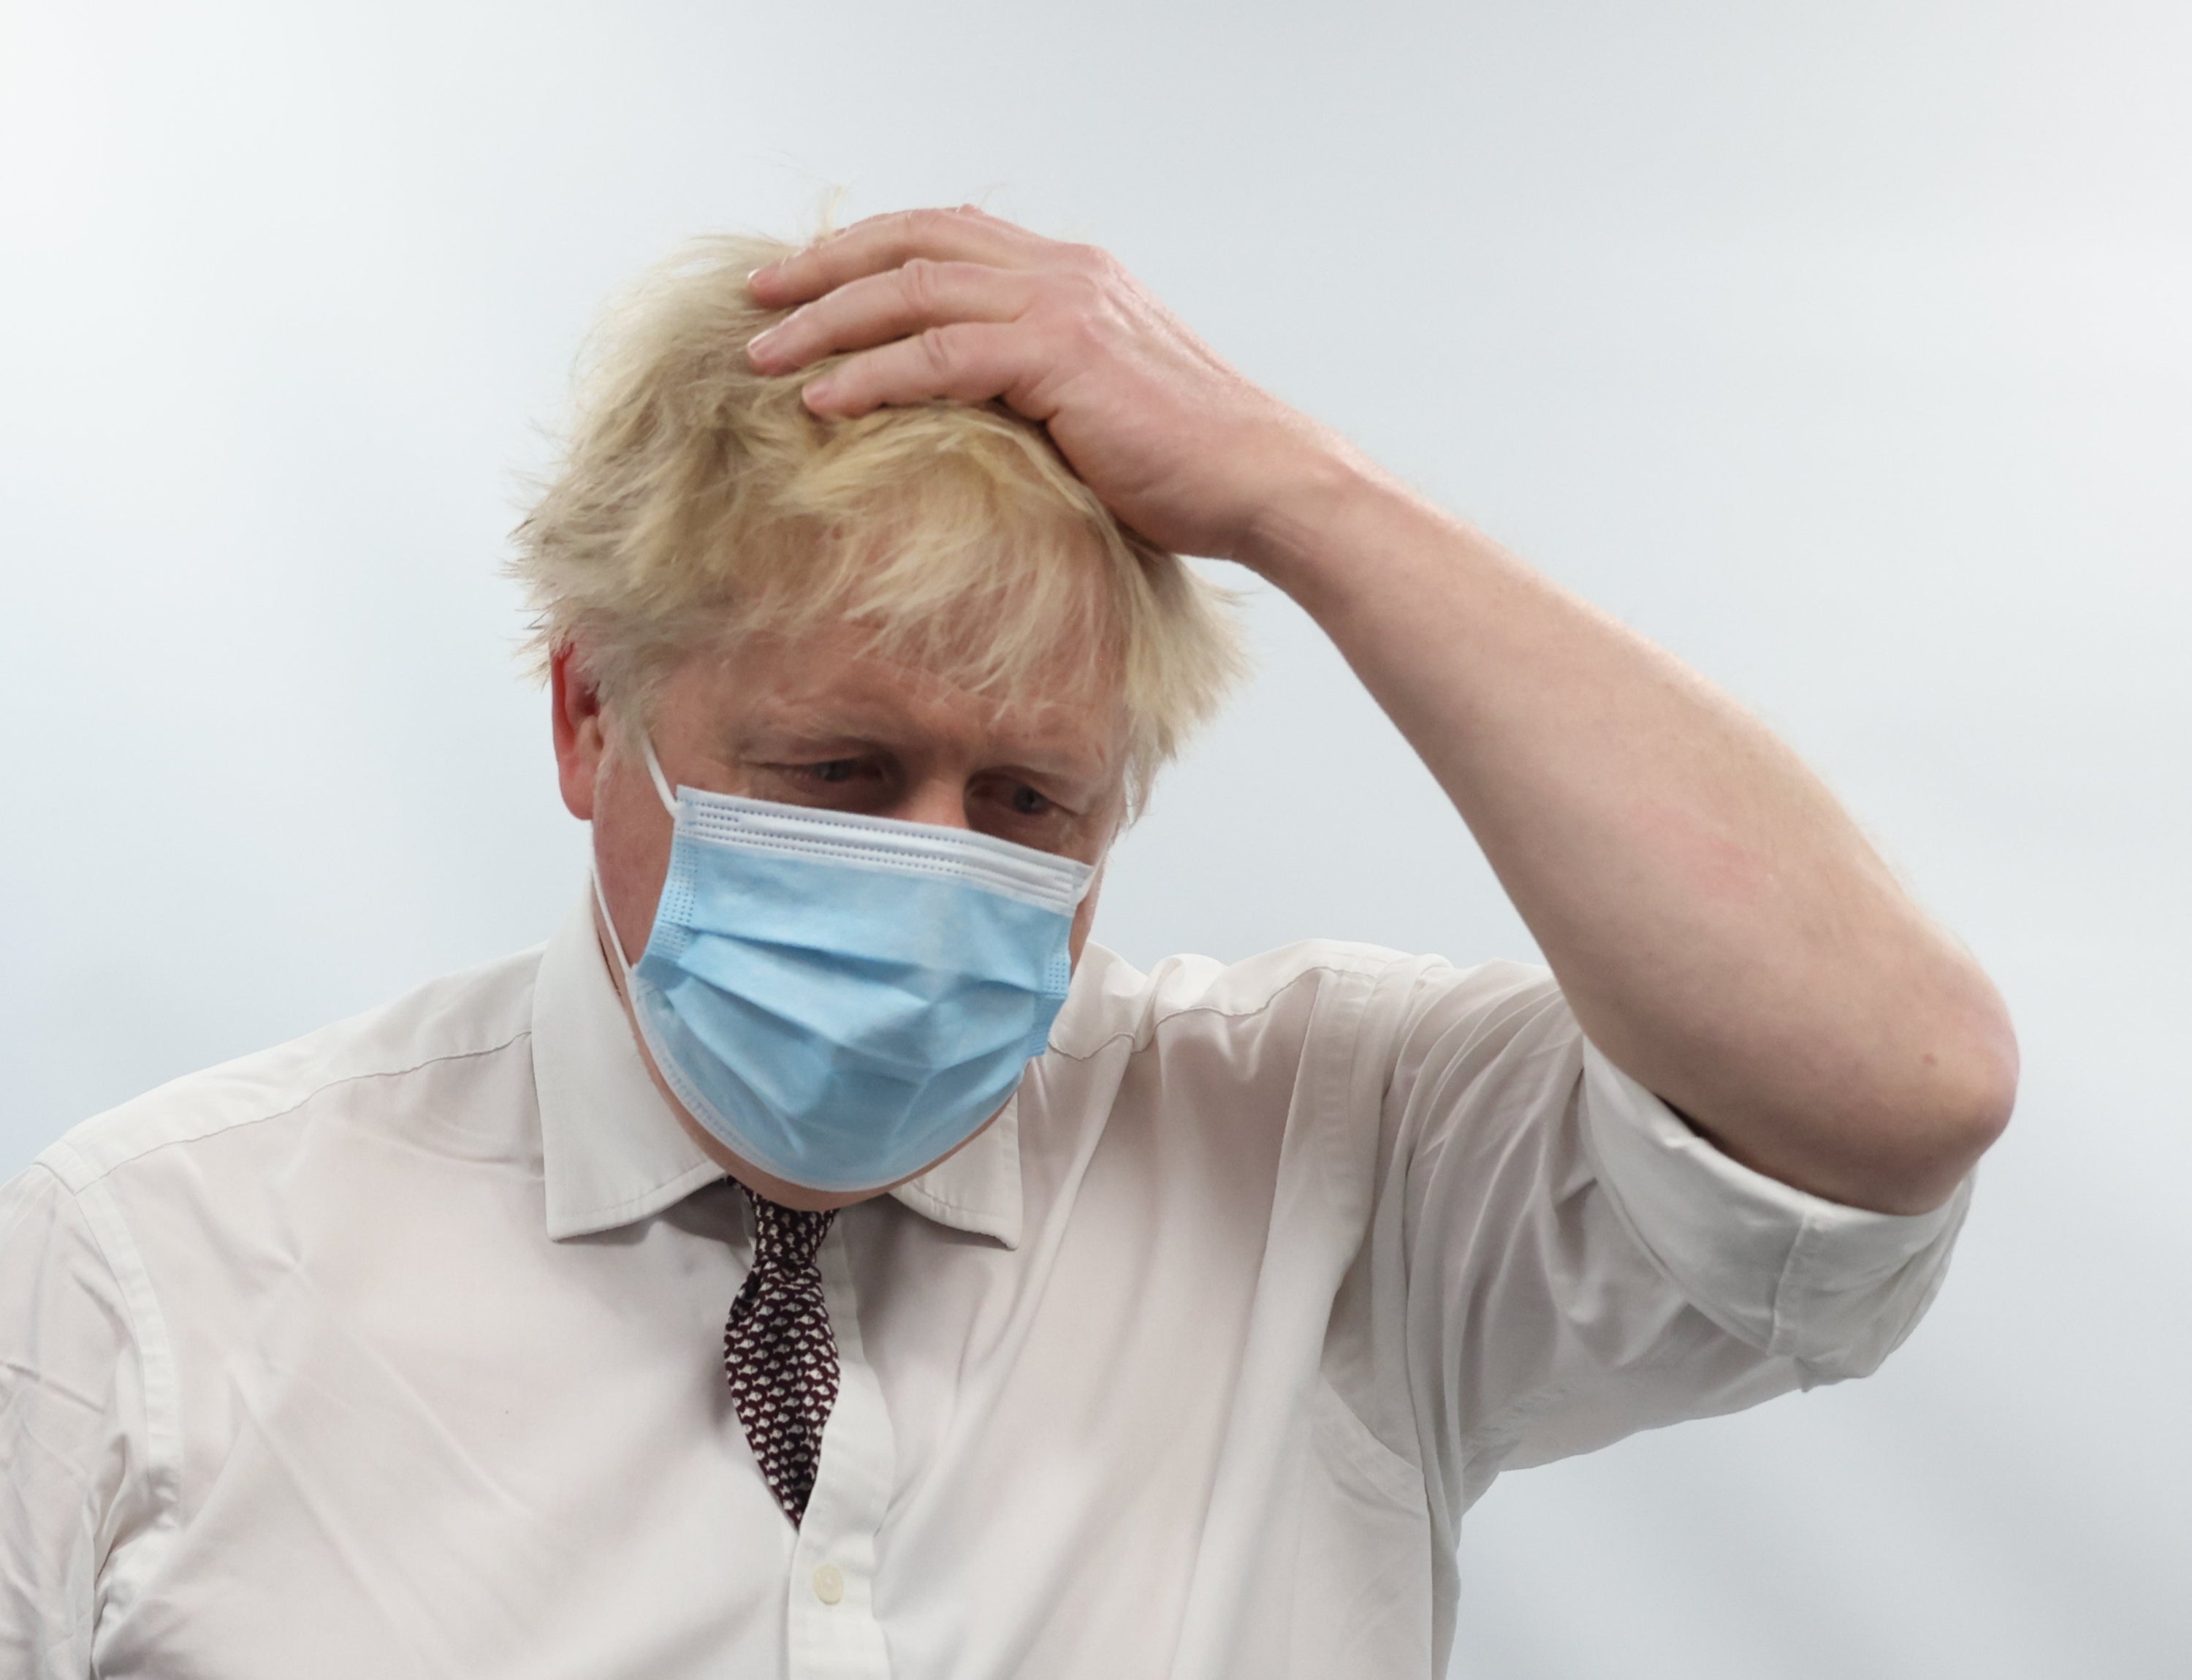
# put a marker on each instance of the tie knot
(786, 1236)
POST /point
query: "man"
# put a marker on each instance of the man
(1151, 1324)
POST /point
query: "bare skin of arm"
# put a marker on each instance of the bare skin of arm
(1721, 929)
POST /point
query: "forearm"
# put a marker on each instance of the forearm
(1721, 929)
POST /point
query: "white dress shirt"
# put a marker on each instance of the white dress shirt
(397, 1350)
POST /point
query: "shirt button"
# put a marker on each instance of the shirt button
(829, 1583)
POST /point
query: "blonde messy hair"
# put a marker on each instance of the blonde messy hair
(699, 503)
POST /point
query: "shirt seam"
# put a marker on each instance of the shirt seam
(1777, 1326)
(1503, 1431)
(1133, 1034)
(109, 1229)
(1729, 1316)
(63, 1146)
(1499, 1432)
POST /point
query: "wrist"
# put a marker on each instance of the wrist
(1305, 484)
(1320, 498)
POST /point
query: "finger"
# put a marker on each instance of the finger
(882, 242)
(961, 361)
(877, 308)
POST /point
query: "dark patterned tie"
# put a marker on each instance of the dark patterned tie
(779, 1353)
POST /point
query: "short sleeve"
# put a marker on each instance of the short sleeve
(1575, 1264)
(70, 1406)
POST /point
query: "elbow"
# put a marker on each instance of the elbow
(1990, 1096)
(1970, 1125)
(1953, 1103)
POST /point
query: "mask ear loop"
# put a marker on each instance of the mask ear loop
(654, 768)
(593, 870)
(609, 923)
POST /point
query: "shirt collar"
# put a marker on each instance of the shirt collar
(613, 1153)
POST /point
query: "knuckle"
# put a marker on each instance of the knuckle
(917, 283)
(940, 350)
(1085, 336)
(1078, 313)
(1083, 291)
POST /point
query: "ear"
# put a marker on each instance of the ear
(581, 737)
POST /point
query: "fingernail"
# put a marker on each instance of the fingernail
(754, 274)
(762, 343)
(817, 392)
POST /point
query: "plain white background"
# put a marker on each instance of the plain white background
(1845, 350)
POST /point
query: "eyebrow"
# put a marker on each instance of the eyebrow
(858, 735)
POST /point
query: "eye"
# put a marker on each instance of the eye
(1027, 802)
(832, 779)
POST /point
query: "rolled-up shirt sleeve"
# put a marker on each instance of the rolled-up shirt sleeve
(70, 1423)
(1577, 1264)
(1833, 1288)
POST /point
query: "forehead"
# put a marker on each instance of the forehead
(832, 683)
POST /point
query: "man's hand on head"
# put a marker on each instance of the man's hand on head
(1722, 930)
(959, 306)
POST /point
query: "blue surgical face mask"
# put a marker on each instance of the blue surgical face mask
(844, 1000)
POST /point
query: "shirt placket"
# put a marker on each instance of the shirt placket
(831, 1630)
